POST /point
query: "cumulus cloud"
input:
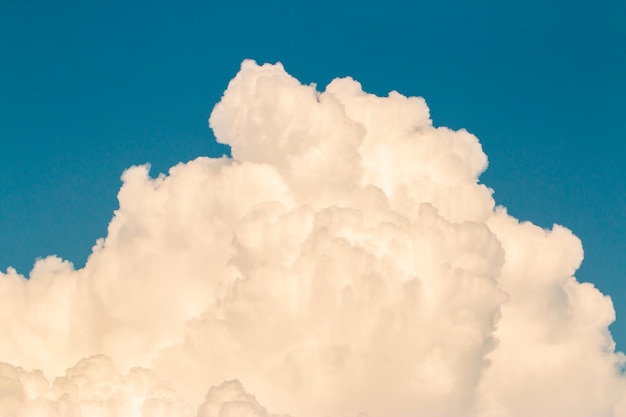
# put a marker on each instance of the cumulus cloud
(345, 260)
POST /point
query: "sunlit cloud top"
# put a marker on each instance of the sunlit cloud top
(345, 260)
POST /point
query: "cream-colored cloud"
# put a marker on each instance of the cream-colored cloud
(346, 259)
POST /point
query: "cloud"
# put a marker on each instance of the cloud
(345, 260)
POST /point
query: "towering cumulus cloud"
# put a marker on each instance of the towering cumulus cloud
(345, 260)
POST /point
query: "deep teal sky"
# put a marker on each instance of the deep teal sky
(89, 88)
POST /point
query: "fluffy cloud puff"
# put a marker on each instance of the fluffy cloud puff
(346, 259)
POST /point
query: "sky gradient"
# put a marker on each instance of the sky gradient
(88, 90)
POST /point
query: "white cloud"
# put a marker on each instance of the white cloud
(345, 260)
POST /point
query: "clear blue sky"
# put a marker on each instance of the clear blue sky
(88, 89)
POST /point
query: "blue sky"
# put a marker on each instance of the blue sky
(88, 89)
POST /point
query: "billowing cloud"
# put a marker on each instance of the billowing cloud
(345, 260)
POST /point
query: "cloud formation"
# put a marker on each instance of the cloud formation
(345, 260)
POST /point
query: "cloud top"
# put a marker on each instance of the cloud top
(346, 259)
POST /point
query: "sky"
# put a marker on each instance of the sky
(90, 89)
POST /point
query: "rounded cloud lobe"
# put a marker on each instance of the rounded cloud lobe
(345, 260)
